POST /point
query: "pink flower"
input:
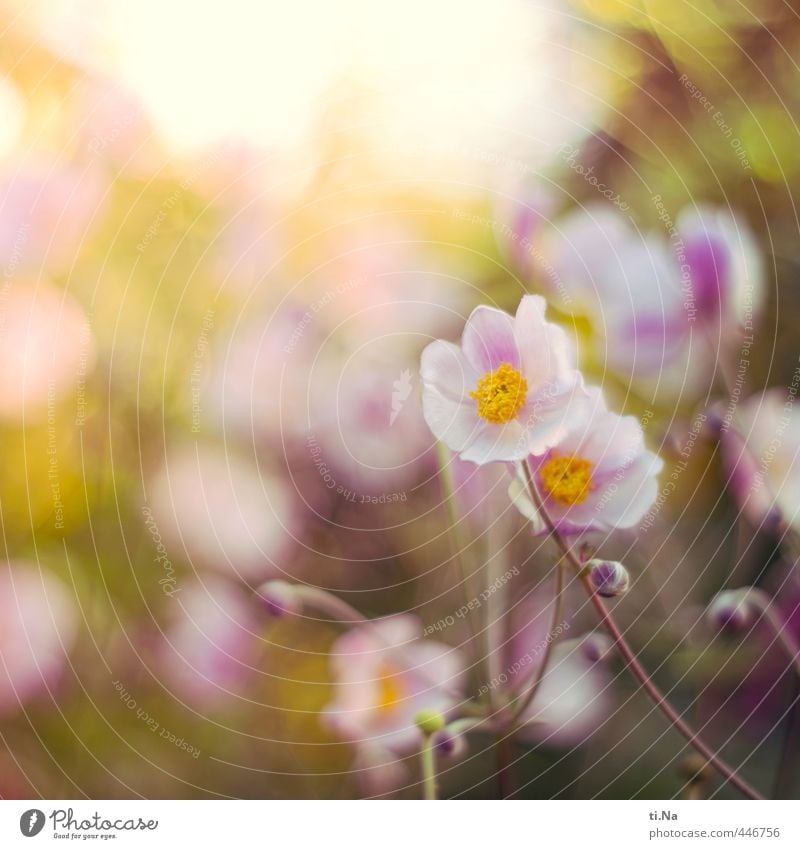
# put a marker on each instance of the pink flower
(47, 213)
(384, 676)
(219, 511)
(574, 696)
(379, 771)
(597, 478)
(366, 425)
(509, 390)
(572, 701)
(259, 381)
(663, 306)
(211, 648)
(46, 346)
(761, 455)
(38, 624)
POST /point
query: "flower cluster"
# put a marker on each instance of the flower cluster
(511, 393)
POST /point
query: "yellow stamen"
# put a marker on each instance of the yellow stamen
(567, 480)
(501, 394)
(390, 690)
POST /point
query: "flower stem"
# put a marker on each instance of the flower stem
(625, 650)
(505, 777)
(428, 759)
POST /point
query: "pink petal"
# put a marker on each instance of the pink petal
(455, 423)
(445, 367)
(488, 340)
(545, 349)
(492, 443)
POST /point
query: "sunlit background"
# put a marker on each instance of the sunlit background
(227, 231)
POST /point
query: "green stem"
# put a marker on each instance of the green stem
(427, 755)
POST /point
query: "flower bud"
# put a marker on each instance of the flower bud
(449, 744)
(430, 721)
(609, 578)
(596, 647)
(733, 611)
(280, 598)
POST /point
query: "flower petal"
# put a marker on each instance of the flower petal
(445, 367)
(488, 340)
(545, 349)
(493, 443)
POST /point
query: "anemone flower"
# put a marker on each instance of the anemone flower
(663, 307)
(761, 455)
(600, 477)
(384, 676)
(510, 389)
(211, 647)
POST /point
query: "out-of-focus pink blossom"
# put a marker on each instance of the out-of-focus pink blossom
(663, 306)
(599, 477)
(510, 388)
(38, 625)
(47, 212)
(366, 425)
(522, 221)
(46, 347)
(573, 698)
(379, 771)
(210, 650)
(572, 701)
(384, 675)
(260, 378)
(223, 513)
(115, 128)
(761, 455)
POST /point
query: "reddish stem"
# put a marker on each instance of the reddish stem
(625, 650)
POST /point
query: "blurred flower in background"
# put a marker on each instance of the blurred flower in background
(40, 623)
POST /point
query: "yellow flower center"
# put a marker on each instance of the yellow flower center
(390, 690)
(501, 394)
(567, 480)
